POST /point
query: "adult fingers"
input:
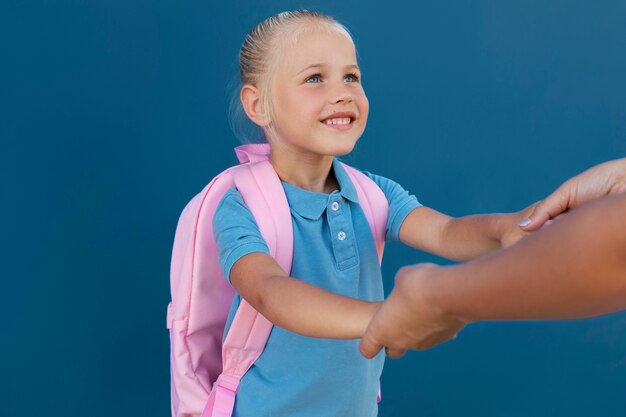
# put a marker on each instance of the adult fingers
(555, 204)
(395, 353)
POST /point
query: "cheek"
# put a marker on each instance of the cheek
(308, 106)
(296, 106)
(283, 97)
(364, 104)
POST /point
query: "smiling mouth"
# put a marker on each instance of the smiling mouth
(343, 120)
(338, 121)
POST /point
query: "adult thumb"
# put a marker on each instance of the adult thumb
(552, 206)
(537, 218)
(368, 346)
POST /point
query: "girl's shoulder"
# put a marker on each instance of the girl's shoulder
(396, 194)
(232, 199)
(231, 207)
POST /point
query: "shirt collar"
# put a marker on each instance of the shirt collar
(311, 205)
(347, 189)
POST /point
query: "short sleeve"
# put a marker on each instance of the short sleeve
(401, 203)
(235, 230)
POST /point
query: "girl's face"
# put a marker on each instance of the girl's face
(319, 106)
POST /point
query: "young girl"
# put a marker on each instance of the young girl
(302, 86)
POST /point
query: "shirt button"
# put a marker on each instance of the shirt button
(334, 206)
(341, 235)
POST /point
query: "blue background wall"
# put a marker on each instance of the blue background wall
(113, 115)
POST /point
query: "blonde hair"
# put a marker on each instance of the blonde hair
(258, 58)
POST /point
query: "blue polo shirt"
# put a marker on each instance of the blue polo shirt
(300, 376)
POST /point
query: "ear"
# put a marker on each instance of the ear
(252, 105)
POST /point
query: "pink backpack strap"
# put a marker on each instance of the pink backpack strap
(253, 152)
(373, 203)
(262, 192)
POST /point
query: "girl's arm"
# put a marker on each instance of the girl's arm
(296, 305)
(460, 239)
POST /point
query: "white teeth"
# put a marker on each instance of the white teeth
(343, 121)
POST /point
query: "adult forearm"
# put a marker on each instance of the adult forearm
(574, 268)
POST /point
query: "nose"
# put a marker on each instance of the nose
(345, 97)
(341, 94)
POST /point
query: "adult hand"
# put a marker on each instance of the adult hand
(408, 319)
(601, 180)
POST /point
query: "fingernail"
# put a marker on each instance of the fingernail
(524, 222)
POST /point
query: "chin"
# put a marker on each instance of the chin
(342, 146)
(338, 147)
(348, 146)
(344, 150)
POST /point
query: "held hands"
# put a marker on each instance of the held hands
(408, 319)
(601, 180)
(411, 318)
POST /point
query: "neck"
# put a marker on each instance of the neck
(309, 172)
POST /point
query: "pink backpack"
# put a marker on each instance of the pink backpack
(205, 373)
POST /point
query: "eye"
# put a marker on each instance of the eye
(314, 79)
(351, 78)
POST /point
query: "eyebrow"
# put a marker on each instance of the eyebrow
(325, 65)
